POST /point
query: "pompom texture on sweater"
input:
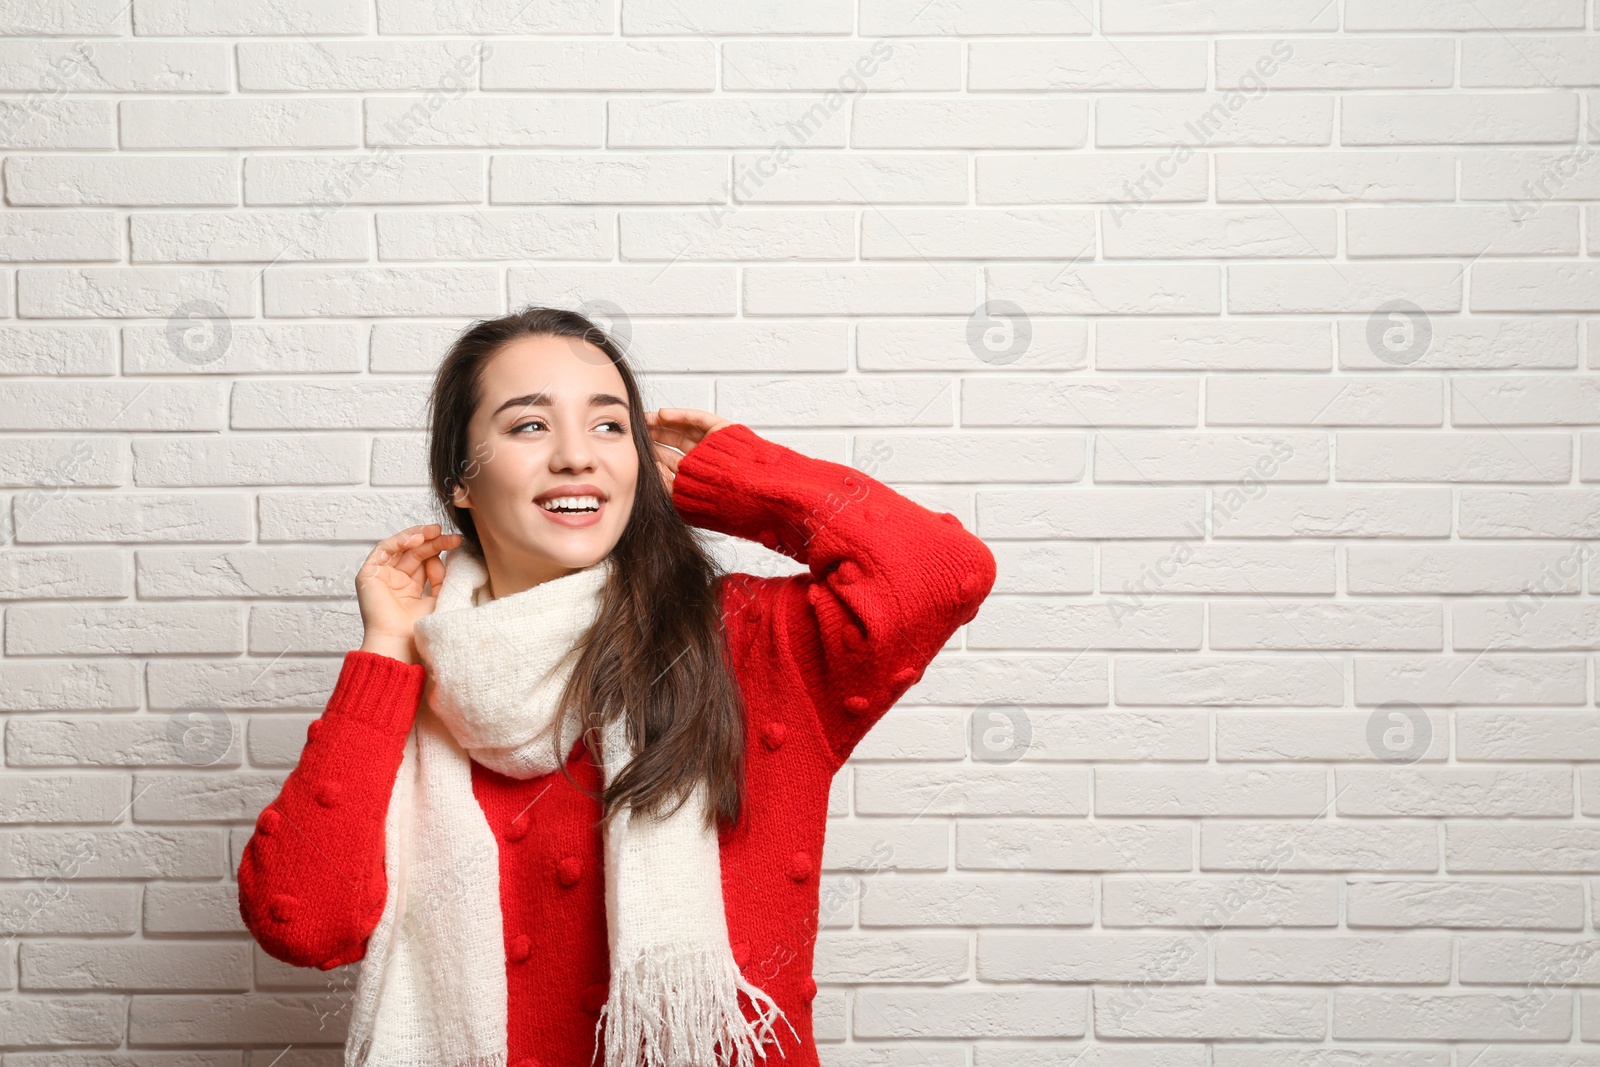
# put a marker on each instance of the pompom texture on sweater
(819, 657)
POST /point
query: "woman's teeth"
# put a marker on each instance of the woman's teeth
(572, 503)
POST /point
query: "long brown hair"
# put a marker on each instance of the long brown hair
(656, 651)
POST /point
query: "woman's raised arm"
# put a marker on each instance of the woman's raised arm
(888, 581)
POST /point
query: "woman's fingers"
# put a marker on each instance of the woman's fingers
(434, 568)
(679, 429)
(677, 425)
(406, 552)
(421, 560)
(403, 557)
(667, 462)
(693, 421)
(682, 428)
(668, 458)
(382, 554)
(666, 434)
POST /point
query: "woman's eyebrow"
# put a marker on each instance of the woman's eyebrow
(529, 400)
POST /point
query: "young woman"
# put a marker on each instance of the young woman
(567, 801)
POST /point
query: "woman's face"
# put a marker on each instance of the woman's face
(552, 427)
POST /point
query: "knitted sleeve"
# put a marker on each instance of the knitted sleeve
(888, 580)
(311, 877)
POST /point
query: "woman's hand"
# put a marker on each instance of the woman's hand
(682, 429)
(389, 588)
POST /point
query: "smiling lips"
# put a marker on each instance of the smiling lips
(575, 504)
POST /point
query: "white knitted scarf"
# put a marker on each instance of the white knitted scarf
(432, 987)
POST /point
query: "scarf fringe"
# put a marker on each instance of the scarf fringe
(681, 1009)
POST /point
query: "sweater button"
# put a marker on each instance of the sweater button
(521, 948)
(313, 730)
(741, 953)
(282, 907)
(594, 997)
(970, 585)
(773, 733)
(517, 828)
(328, 793)
(800, 866)
(950, 516)
(268, 821)
(855, 705)
(569, 870)
(809, 989)
(906, 675)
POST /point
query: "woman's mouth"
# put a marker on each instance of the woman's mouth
(577, 510)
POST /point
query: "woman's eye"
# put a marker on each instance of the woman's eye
(540, 422)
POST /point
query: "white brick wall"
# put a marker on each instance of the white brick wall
(1258, 337)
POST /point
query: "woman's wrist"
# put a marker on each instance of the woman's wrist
(393, 646)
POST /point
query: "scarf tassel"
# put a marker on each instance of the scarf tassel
(677, 1009)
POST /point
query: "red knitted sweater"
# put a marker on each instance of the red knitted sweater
(819, 657)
